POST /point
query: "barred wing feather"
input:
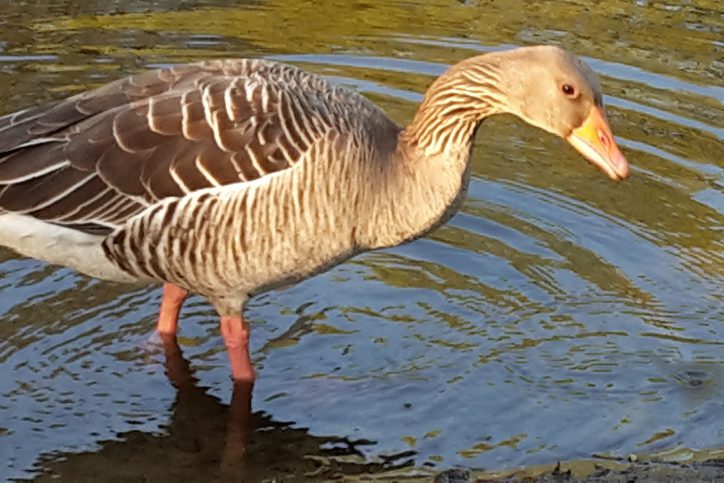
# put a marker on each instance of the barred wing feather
(94, 160)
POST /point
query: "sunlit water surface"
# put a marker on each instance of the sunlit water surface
(559, 315)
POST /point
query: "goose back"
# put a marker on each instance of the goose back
(94, 160)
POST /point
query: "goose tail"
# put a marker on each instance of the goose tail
(59, 245)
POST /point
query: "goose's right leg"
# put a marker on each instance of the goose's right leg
(173, 299)
(236, 338)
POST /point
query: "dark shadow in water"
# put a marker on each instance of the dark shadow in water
(208, 440)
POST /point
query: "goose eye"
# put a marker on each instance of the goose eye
(569, 90)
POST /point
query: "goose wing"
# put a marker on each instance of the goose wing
(94, 160)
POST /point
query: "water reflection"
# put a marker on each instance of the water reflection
(206, 440)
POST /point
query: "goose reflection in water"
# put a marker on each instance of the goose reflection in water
(207, 439)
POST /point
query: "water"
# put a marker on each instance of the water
(558, 316)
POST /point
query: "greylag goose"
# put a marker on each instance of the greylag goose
(229, 178)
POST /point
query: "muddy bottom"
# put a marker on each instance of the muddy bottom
(144, 459)
(598, 470)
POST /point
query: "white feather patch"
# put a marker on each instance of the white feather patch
(59, 245)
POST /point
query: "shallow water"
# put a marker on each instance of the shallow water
(558, 316)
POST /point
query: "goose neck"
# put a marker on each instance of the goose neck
(454, 105)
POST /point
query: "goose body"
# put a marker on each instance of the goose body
(229, 178)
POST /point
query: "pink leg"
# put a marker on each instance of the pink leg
(173, 299)
(236, 338)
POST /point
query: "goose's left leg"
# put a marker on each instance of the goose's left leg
(236, 338)
(173, 299)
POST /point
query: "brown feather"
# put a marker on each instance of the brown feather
(150, 136)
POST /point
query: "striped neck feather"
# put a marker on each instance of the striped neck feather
(454, 105)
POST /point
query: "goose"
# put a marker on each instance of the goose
(229, 178)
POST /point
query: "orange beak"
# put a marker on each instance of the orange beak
(594, 140)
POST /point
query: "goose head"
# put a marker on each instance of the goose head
(556, 91)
